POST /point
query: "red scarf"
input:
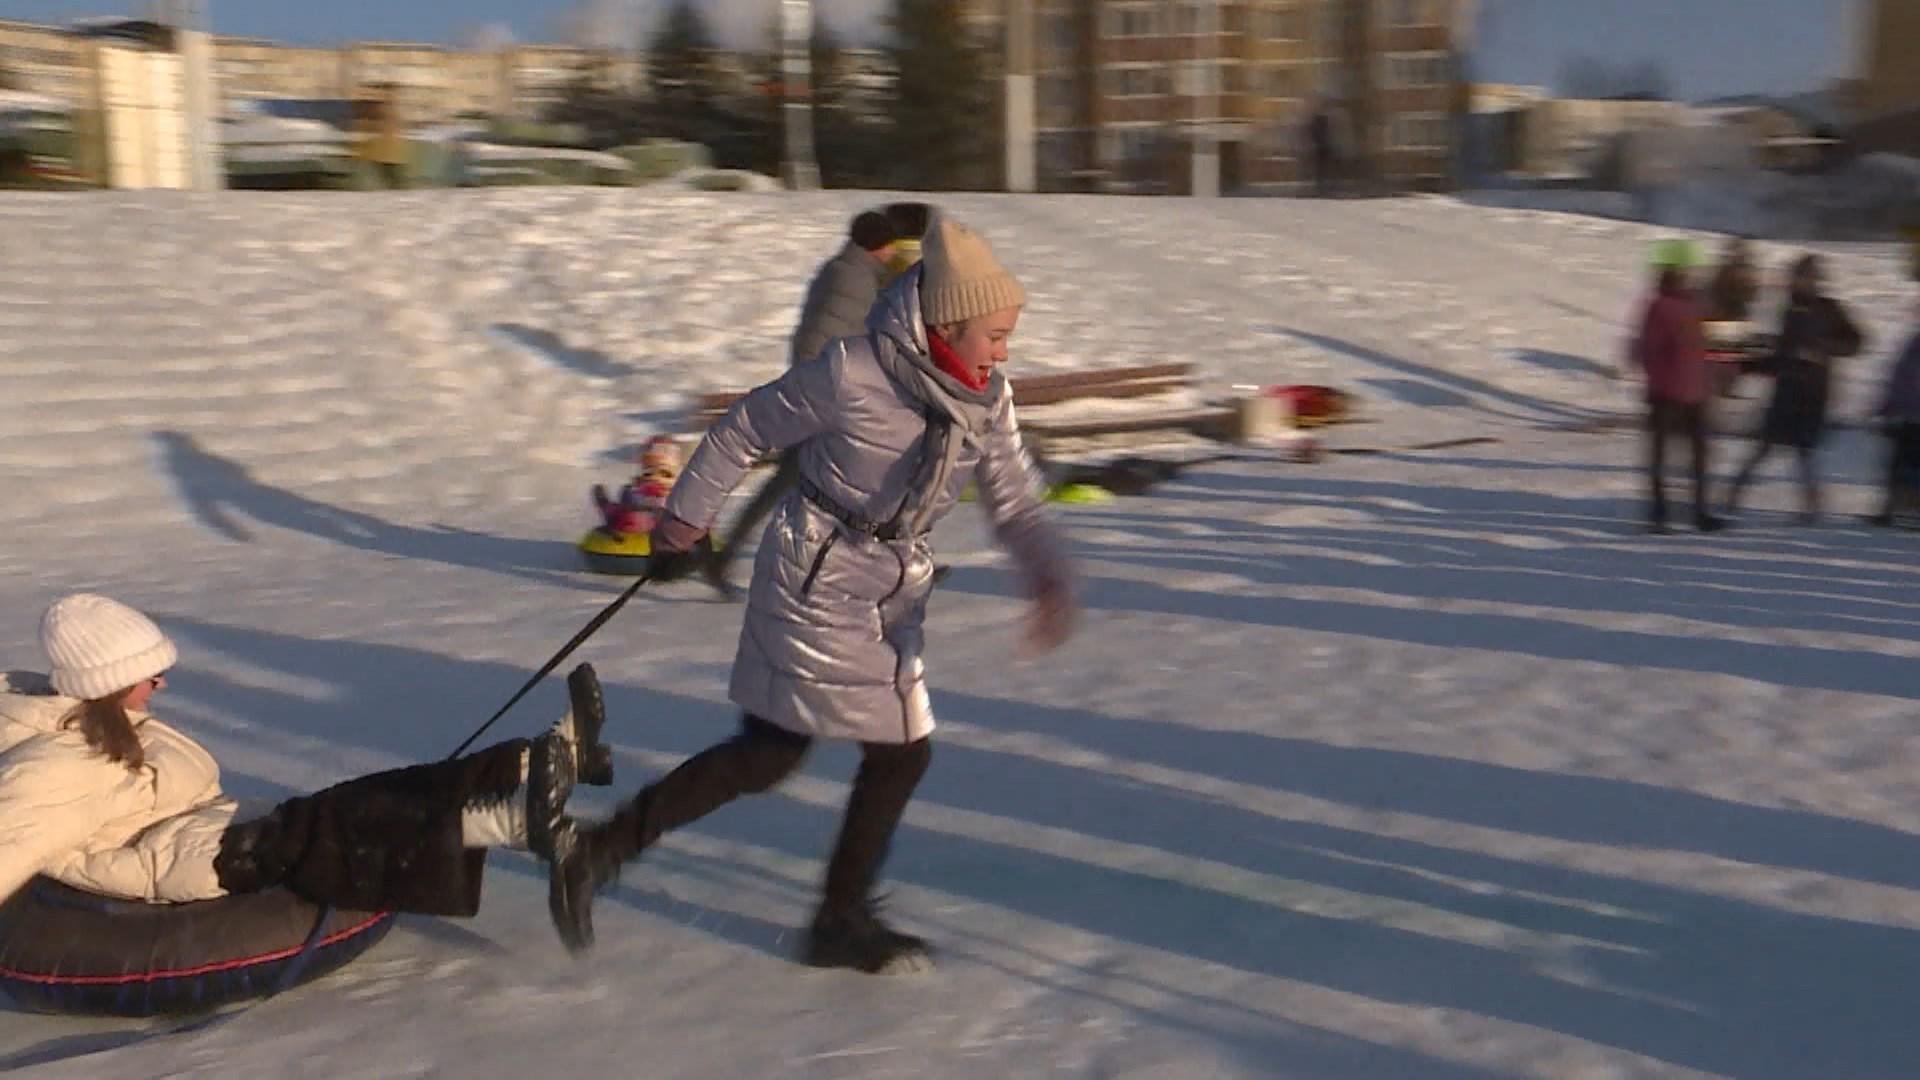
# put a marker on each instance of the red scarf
(949, 362)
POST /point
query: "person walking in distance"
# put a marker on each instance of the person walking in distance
(1814, 332)
(842, 292)
(1668, 347)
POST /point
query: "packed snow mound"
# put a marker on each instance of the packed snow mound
(1873, 197)
(1414, 764)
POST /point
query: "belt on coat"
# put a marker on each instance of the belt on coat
(852, 519)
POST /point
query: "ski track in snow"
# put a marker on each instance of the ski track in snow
(1408, 765)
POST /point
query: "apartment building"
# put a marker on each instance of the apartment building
(45, 60)
(429, 84)
(1126, 89)
(1887, 39)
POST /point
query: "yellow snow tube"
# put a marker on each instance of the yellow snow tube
(615, 553)
(1077, 494)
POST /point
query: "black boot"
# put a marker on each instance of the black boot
(551, 772)
(847, 930)
(714, 569)
(584, 862)
(593, 759)
(854, 936)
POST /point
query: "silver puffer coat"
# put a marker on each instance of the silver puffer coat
(831, 643)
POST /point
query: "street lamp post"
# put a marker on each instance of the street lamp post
(1019, 89)
(802, 172)
(1206, 102)
(199, 92)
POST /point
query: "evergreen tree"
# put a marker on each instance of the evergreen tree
(680, 64)
(941, 110)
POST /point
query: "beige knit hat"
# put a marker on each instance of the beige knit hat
(961, 280)
(99, 647)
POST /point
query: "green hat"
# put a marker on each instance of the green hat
(1675, 255)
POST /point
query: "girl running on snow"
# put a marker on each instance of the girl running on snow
(887, 430)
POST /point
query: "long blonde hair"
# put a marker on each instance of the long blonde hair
(104, 723)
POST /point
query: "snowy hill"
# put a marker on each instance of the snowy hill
(1402, 765)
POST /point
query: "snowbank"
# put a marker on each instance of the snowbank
(1418, 764)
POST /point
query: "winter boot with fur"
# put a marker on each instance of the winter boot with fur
(555, 763)
(854, 936)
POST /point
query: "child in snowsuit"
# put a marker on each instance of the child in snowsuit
(642, 501)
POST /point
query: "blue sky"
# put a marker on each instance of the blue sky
(1708, 47)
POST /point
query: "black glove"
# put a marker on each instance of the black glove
(667, 565)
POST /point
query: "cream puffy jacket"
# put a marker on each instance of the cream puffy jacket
(67, 812)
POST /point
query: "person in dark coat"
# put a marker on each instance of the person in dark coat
(910, 221)
(1321, 149)
(1735, 285)
(1669, 349)
(842, 293)
(1814, 332)
(1899, 414)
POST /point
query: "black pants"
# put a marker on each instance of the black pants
(752, 762)
(759, 507)
(390, 841)
(1903, 468)
(1809, 475)
(1666, 419)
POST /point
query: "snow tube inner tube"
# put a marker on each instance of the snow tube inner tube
(67, 951)
(615, 553)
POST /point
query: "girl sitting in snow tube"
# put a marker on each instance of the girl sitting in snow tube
(619, 544)
(131, 886)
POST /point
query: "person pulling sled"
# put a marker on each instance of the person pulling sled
(885, 431)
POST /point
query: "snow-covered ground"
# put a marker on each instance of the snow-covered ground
(1410, 765)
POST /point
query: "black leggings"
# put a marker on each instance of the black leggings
(1809, 475)
(1664, 420)
(391, 841)
(752, 762)
(1903, 468)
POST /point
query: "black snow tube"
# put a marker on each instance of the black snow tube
(67, 951)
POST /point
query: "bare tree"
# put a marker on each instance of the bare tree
(487, 37)
(599, 24)
(1594, 78)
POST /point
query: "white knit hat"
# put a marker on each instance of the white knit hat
(99, 647)
(960, 279)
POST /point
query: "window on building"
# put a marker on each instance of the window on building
(1406, 12)
(1132, 20)
(1417, 69)
(1283, 24)
(1282, 82)
(1333, 27)
(1060, 31)
(1056, 91)
(1419, 131)
(1131, 81)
